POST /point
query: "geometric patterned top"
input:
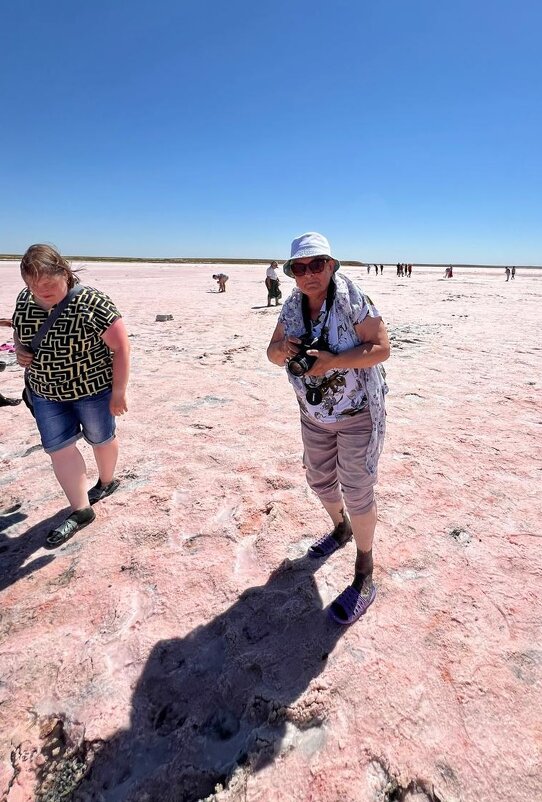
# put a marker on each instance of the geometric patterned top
(72, 361)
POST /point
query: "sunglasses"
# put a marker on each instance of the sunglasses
(316, 266)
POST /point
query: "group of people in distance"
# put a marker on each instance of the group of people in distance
(330, 338)
(510, 273)
(404, 270)
(272, 283)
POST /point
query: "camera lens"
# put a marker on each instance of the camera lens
(297, 367)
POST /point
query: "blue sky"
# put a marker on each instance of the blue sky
(402, 129)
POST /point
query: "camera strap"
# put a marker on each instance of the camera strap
(305, 311)
(315, 392)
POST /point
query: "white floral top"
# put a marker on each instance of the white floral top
(344, 392)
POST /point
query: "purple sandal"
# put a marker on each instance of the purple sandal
(327, 544)
(353, 604)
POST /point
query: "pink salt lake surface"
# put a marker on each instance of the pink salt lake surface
(179, 649)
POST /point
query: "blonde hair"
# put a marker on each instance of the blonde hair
(44, 260)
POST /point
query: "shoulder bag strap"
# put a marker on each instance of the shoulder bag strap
(55, 314)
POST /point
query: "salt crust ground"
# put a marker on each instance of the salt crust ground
(171, 651)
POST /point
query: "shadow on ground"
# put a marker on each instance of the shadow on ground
(15, 551)
(220, 697)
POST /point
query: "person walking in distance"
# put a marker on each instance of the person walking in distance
(273, 284)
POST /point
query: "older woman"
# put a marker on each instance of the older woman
(77, 378)
(340, 390)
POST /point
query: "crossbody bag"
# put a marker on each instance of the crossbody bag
(40, 334)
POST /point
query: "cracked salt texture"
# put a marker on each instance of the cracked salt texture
(162, 653)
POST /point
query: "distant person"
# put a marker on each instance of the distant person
(4, 401)
(340, 391)
(7, 402)
(221, 279)
(6, 323)
(398, 268)
(381, 269)
(76, 380)
(368, 269)
(513, 273)
(507, 273)
(409, 270)
(273, 284)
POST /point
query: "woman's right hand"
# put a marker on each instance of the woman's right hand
(282, 348)
(290, 347)
(24, 358)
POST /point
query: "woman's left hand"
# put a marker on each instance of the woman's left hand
(118, 405)
(324, 362)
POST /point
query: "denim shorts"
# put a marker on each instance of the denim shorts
(61, 423)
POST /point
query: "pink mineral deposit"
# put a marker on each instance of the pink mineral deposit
(179, 648)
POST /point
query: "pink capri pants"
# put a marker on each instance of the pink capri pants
(334, 458)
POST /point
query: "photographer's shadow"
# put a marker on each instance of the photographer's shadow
(217, 698)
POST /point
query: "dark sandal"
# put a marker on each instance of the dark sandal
(76, 521)
(352, 604)
(329, 543)
(9, 402)
(100, 491)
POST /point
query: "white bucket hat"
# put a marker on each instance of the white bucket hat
(309, 244)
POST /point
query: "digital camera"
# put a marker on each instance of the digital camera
(299, 364)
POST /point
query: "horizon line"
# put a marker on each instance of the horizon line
(244, 261)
